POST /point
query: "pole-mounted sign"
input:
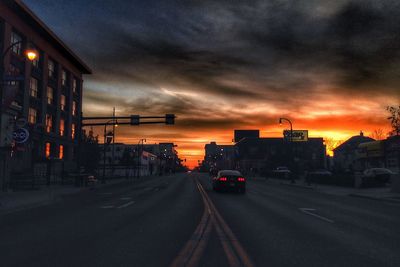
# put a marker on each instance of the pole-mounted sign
(297, 135)
(21, 135)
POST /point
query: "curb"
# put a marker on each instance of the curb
(375, 198)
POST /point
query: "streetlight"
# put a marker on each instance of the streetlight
(291, 127)
(291, 141)
(31, 55)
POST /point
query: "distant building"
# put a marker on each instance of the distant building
(219, 156)
(382, 153)
(148, 159)
(259, 155)
(345, 155)
(240, 134)
(45, 93)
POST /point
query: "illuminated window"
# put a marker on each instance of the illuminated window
(52, 68)
(62, 102)
(73, 130)
(32, 116)
(73, 108)
(50, 95)
(61, 152)
(33, 87)
(62, 127)
(17, 40)
(49, 123)
(74, 85)
(47, 150)
(64, 78)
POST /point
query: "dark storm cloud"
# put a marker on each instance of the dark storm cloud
(267, 50)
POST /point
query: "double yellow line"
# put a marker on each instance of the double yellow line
(193, 250)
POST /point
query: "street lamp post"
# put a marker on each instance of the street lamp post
(31, 54)
(290, 140)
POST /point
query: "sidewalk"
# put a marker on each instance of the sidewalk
(19, 200)
(376, 193)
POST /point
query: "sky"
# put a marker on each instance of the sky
(332, 67)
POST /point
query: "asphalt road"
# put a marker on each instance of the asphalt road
(179, 221)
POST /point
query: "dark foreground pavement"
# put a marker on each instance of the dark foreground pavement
(149, 224)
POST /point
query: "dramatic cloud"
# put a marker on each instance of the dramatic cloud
(221, 65)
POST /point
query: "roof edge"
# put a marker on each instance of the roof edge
(85, 68)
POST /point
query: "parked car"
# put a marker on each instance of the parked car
(91, 179)
(379, 174)
(282, 172)
(229, 180)
(319, 176)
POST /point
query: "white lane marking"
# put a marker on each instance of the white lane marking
(309, 212)
(107, 207)
(125, 198)
(126, 205)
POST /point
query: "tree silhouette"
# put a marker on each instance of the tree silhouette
(89, 152)
(394, 119)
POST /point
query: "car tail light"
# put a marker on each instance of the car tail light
(241, 179)
(223, 179)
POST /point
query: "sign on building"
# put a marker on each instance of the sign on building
(298, 135)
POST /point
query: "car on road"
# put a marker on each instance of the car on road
(379, 174)
(229, 180)
(319, 176)
(282, 172)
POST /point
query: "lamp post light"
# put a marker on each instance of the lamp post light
(5, 148)
(291, 142)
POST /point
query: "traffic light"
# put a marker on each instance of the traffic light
(169, 119)
(135, 119)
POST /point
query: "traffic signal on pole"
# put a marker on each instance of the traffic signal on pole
(169, 119)
(135, 119)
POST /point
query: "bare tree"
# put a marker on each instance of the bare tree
(331, 144)
(378, 134)
(394, 119)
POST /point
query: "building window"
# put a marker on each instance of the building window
(64, 78)
(32, 116)
(74, 85)
(17, 40)
(33, 86)
(50, 95)
(62, 127)
(49, 123)
(73, 108)
(47, 150)
(73, 130)
(62, 102)
(61, 152)
(52, 68)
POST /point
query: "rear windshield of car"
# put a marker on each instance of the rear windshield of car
(230, 173)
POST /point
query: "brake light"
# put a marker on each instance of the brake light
(241, 179)
(224, 179)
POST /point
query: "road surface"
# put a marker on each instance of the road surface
(179, 221)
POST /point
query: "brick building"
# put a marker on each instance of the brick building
(45, 93)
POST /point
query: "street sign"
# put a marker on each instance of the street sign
(169, 119)
(21, 122)
(298, 135)
(21, 135)
(135, 119)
